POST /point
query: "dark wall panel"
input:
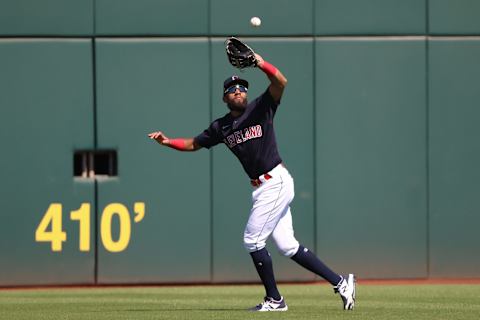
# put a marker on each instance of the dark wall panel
(46, 17)
(371, 156)
(454, 17)
(279, 17)
(454, 158)
(151, 17)
(145, 85)
(46, 112)
(378, 132)
(373, 17)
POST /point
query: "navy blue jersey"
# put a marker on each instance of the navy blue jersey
(250, 136)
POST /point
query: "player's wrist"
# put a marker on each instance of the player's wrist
(178, 144)
(268, 68)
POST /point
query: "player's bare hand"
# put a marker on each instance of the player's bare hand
(159, 137)
(259, 59)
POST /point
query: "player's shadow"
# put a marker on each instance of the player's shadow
(186, 309)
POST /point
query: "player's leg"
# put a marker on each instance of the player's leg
(287, 244)
(264, 266)
(310, 261)
(270, 202)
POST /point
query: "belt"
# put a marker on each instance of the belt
(257, 182)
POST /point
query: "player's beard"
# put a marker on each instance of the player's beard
(238, 105)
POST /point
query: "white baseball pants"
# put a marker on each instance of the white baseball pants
(270, 214)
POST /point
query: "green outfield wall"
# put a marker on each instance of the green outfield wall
(378, 126)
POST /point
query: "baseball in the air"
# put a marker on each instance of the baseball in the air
(255, 22)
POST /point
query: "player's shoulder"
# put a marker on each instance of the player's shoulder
(219, 122)
(225, 118)
(264, 99)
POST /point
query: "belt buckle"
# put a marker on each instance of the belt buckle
(257, 182)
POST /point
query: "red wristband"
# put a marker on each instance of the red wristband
(268, 68)
(178, 144)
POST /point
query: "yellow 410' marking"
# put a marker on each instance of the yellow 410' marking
(56, 236)
(83, 216)
(121, 211)
(139, 209)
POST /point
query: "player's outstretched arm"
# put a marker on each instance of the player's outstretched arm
(181, 144)
(277, 79)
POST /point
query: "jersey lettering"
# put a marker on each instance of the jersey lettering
(251, 137)
(241, 136)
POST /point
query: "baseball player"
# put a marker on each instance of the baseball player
(248, 131)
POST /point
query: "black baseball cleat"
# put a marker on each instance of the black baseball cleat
(346, 289)
(269, 304)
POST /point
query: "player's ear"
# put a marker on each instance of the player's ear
(225, 98)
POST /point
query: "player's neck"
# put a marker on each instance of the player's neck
(236, 113)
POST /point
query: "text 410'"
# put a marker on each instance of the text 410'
(56, 235)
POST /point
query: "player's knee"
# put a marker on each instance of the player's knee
(252, 245)
(288, 250)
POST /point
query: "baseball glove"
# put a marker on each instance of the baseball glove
(239, 54)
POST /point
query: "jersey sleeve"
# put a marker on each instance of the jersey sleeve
(266, 101)
(210, 136)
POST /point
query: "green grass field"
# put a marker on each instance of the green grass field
(229, 302)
